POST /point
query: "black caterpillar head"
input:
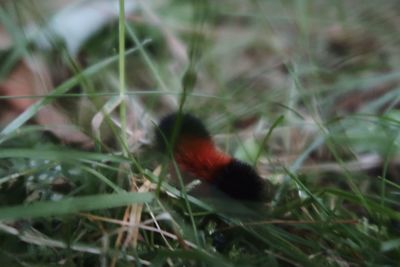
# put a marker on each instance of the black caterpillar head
(176, 126)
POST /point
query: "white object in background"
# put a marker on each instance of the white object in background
(76, 23)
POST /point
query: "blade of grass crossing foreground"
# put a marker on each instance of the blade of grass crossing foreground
(73, 205)
(122, 80)
(60, 155)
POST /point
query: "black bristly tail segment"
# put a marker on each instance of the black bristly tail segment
(241, 181)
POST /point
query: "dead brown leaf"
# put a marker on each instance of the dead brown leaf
(5, 39)
(28, 81)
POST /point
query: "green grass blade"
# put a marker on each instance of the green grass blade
(61, 155)
(73, 205)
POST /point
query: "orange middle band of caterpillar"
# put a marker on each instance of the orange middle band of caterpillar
(195, 153)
